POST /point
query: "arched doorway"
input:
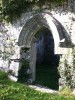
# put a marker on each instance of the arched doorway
(29, 39)
(46, 61)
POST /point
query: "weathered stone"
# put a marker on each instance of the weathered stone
(21, 35)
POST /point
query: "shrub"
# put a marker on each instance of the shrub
(23, 76)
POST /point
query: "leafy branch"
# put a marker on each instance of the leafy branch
(11, 9)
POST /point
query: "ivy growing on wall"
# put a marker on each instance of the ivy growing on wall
(13, 8)
(73, 69)
(67, 71)
(23, 76)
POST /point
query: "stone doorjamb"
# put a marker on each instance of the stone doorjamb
(33, 60)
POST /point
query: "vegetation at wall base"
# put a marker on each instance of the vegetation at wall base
(10, 90)
(23, 76)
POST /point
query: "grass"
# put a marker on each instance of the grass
(10, 90)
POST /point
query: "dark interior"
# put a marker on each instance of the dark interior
(47, 62)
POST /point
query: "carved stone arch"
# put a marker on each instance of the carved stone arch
(27, 38)
(38, 21)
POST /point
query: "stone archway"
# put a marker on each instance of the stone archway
(36, 22)
(47, 62)
(27, 39)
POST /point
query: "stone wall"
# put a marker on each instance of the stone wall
(9, 35)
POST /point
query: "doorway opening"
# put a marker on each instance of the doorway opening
(46, 61)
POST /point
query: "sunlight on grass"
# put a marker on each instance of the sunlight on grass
(10, 90)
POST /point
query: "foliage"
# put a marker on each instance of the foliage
(3, 75)
(61, 70)
(67, 71)
(73, 68)
(14, 8)
(17, 91)
(70, 71)
(23, 76)
(66, 91)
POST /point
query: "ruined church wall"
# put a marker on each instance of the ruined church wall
(10, 45)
